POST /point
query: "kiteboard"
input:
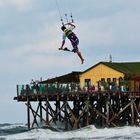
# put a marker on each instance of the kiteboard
(66, 49)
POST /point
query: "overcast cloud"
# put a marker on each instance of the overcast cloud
(30, 36)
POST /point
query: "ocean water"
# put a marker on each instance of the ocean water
(21, 132)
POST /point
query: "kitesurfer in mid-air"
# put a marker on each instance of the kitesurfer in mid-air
(67, 32)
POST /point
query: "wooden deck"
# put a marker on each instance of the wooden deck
(76, 109)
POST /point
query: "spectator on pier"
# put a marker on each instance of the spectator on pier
(92, 88)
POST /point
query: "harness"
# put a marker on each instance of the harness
(67, 32)
(71, 36)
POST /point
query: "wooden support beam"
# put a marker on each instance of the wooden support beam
(33, 111)
(28, 113)
(87, 110)
(116, 115)
(58, 106)
(35, 115)
(99, 113)
(73, 116)
(28, 103)
(136, 109)
(107, 111)
(71, 112)
(132, 115)
(65, 116)
(76, 123)
(40, 106)
(47, 112)
(57, 113)
(138, 116)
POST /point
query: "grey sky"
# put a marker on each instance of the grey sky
(30, 36)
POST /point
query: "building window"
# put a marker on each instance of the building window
(114, 79)
(87, 82)
(102, 79)
(108, 80)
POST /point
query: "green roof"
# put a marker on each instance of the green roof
(67, 78)
(128, 68)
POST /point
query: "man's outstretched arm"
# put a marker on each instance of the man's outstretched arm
(71, 24)
(62, 45)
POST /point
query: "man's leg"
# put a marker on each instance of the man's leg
(76, 50)
(80, 56)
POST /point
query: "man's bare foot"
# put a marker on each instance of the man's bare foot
(82, 61)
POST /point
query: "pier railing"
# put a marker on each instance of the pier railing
(43, 89)
(46, 88)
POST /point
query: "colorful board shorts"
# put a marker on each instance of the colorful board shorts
(75, 45)
(74, 41)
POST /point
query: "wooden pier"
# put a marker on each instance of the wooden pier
(76, 108)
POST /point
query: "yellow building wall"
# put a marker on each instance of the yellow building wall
(98, 72)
